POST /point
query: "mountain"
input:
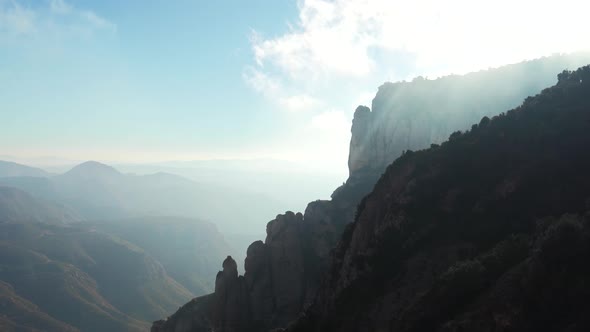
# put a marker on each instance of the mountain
(96, 191)
(85, 278)
(18, 206)
(20, 314)
(59, 274)
(10, 169)
(188, 249)
(284, 274)
(488, 231)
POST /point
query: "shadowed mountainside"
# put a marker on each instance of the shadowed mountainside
(487, 232)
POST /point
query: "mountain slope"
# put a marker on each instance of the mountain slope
(18, 206)
(73, 275)
(189, 249)
(19, 314)
(10, 169)
(485, 232)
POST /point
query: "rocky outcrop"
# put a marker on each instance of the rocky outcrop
(230, 300)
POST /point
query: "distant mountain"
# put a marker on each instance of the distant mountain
(17, 206)
(189, 250)
(10, 169)
(97, 192)
(92, 170)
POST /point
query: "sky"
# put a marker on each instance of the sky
(147, 81)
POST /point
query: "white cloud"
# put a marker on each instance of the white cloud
(342, 37)
(49, 19)
(272, 88)
(332, 121)
(299, 103)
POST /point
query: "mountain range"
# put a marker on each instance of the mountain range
(98, 191)
(60, 273)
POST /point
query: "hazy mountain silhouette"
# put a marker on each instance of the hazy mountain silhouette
(18, 206)
(98, 191)
(10, 169)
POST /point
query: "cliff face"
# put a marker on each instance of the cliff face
(284, 273)
(413, 115)
(488, 232)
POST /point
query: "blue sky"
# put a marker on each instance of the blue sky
(168, 80)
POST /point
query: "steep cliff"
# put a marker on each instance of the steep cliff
(413, 115)
(284, 273)
(488, 232)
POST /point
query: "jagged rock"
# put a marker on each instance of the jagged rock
(194, 316)
(230, 300)
(285, 246)
(259, 283)
(358, 156)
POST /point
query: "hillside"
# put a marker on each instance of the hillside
(18, 206)
(84, 278)
(488, 231)
(20, 314)
(10, 169)
(190, 257)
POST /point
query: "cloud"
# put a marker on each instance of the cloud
(15, 19)
(54, 18)
(331, 121)
(299, 103)
(350, 38)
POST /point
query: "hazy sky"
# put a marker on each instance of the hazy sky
(160, 80)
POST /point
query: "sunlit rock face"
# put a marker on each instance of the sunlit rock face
(359, 157)
(412, 115)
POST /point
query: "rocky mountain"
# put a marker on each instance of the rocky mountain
(487, 232)
(283, 274)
